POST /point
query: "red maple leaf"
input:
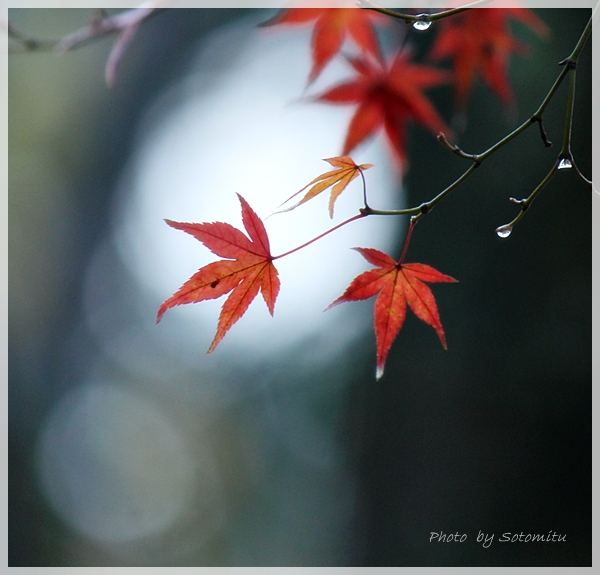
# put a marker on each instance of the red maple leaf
(479, 43)
(397, 284)
(332, 26)
(388, 97)
(249, 269)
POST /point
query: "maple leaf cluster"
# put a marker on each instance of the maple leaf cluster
(331, 27)
(389, 93)
(249, 269)
(485, 54)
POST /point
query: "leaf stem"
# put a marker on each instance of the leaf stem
(358, 216)
(362, 175)
(413, 223)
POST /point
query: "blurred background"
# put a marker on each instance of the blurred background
(129, 446)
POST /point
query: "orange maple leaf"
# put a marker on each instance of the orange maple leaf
(249, 269)
(346, 170)
(388, 97)
(479, 43)
(332, 26)
(397, 284)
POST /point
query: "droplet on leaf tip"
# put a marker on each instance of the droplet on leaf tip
(504, 231)
(565, 164)
(379, 372)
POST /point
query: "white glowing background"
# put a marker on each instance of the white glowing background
(237, 124)
(118, 466)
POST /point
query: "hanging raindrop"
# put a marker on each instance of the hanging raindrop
(504, 231)
(564, 164)
(421, 24)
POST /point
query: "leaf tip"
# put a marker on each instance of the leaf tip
(245, 205)
(443, 340)
(379, 372)
(161, 311)
(214, 343)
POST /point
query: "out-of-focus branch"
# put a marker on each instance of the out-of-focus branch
(125, 24)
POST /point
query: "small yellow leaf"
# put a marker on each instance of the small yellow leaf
(346, 170)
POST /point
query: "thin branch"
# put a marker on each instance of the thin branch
(428, 18)
(543, 134)
(566, 147)
(504, 231)
(453, 148)
(25, 43)
(124, 23)
(119, 47)
(120, 22)
(578, 172)
(565, 158)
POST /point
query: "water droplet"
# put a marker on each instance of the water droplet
(564, 164)
(504, 231)
(421, 24)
